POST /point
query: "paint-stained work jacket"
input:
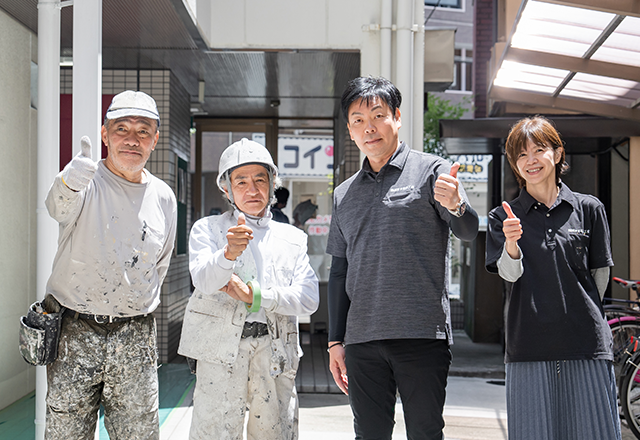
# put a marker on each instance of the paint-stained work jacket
(277, 259)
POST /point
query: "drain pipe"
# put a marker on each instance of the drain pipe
(404, 66)
(48, 165)
(417, 143)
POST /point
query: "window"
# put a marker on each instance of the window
(181, 198)
(462, 72)
(457, 4)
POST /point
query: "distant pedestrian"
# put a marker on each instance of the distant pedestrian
(303, 212)
(389, 320)
(282, 195)
(553, 247)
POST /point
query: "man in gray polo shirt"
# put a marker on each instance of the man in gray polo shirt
(389, 320)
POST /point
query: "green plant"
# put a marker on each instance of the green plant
(439, 108)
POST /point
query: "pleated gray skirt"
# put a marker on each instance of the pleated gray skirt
(563, 400)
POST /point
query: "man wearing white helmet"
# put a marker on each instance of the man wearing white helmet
(253, 279)
(117, 228)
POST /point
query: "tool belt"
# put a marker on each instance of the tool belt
(39, 332)
(254, 329)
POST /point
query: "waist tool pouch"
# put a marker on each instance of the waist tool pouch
(39, 334)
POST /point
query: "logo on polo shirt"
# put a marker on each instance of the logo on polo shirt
(581, 232)
(407, 188)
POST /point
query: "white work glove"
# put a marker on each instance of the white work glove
(80, 171)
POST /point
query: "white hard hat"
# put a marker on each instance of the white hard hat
(244, 152)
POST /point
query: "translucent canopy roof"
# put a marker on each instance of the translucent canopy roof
(579, 55)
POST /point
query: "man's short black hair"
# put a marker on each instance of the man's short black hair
(369, 88)
(282, 195)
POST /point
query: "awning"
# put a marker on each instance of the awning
(576, 55)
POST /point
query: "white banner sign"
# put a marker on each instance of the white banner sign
(300, 156)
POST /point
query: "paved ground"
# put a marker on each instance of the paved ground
(475, 408)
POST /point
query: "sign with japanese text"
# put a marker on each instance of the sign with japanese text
(302, 156)
(305, 156)
(473, 167)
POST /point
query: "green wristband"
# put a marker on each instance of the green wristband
(257, 298)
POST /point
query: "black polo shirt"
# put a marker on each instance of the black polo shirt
(554, 310)
(395, 238)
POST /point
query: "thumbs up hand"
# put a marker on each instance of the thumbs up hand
(238, 238)
(446, 191)
(512, 230)
(80, 171)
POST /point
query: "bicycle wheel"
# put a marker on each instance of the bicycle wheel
(630, 394)
(622, 329)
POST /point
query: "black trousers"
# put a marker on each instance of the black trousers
(417, 368)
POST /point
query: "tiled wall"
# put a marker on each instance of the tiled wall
(173, 105)
(347, 154)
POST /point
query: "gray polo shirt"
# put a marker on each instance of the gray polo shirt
(395, 238)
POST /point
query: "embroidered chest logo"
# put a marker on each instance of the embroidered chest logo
(581, 232)
(402, 189)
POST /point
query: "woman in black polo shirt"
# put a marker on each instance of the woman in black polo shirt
(553, 246)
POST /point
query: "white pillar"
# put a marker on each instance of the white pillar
(417, 143)
(48, 164)
(386, 20)
(404, 67)
(87, 80)
(87, 74)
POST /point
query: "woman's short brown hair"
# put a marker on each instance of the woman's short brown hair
(540, 131)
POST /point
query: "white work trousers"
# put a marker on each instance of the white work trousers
(224, 393)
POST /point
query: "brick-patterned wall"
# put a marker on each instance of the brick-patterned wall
(173, 106)
(483, 41)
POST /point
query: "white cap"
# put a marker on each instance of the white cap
(132, 103)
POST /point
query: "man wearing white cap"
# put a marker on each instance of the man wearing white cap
(253, 279)
(117, 229)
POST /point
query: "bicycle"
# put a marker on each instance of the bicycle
(629, 386)
(623, 317)
(628, 361)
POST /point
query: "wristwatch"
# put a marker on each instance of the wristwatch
(461, 207)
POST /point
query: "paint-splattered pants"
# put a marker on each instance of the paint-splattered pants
(223, 394)
(113, 364)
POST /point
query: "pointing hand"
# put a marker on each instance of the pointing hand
(512, 230)
(446, 188)
(454, 170)
(80, 171)
(508, 210)
(238, 238)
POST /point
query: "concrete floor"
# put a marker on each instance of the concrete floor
(475, 409)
